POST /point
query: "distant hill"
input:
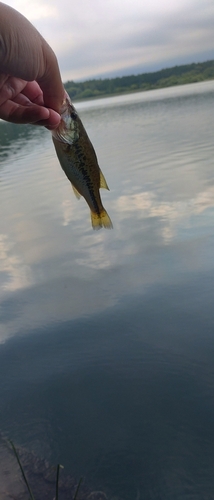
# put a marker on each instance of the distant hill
(178, 75)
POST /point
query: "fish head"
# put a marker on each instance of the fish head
(68, 129)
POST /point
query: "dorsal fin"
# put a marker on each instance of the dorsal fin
(103, 183)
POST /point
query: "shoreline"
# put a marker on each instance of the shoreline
(136, 91)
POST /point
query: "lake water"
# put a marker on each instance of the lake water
(107, 338)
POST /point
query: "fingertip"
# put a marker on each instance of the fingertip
(43, 116)
(54, 119)
(43, 113)
(50, 120)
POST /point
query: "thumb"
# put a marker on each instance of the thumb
(50, 80)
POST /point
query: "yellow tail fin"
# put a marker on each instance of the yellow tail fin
(101, 220)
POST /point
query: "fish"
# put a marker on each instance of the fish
(78, 159)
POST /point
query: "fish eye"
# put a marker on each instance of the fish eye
(73, 115)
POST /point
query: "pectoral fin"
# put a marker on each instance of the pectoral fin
(77, 194)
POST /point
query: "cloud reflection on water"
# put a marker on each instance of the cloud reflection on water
(55, 265)
(15, 274)
(171, 214)
(98, 264)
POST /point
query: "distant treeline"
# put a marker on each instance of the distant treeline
(178, 75)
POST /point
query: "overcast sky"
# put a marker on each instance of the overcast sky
(101, 38)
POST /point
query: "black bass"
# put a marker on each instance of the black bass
(79, 162)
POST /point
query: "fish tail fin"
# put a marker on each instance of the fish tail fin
(101, 220)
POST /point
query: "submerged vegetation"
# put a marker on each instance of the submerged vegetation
(31, 496)
(177, 75)
(27, 477)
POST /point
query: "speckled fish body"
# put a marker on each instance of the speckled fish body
(79, 162)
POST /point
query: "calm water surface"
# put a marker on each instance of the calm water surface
(107, 338)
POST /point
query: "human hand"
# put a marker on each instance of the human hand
(31, 90)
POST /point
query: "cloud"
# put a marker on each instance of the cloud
(92, 38)
(34, 10)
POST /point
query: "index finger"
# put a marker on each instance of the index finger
(34, 93)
